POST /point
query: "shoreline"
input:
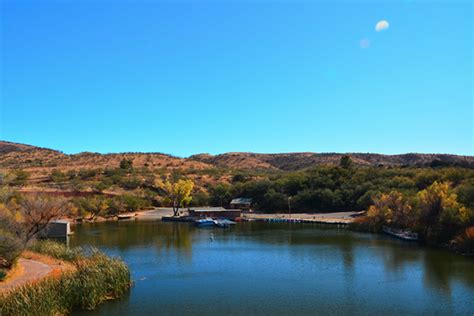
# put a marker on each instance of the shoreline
(334, 218)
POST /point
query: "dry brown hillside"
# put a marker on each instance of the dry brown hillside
(41, 160)
(38, 160)
(297, 161)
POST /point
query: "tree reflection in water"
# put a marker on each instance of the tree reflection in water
(440, 268)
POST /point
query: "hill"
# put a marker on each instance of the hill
(21, 156)
(298, 161)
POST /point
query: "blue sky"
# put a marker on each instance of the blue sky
(186, 77)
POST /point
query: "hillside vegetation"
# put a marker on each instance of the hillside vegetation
(431, 194)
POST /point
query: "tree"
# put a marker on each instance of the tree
(220, 194)
(393, 209)
(345, 162)
(10, 243)
(35, 213)
(441, 215)
(177, 194)
(126, 164)
(95, 205)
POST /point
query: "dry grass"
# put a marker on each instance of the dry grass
(15, 272)
(57, 265)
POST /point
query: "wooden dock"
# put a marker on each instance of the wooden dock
(339, 218)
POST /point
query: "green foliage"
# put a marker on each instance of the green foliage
(57, 250)
(3, 274)
(86, 174)
(20, 177)
(220, 195)
(346, 162)
(100, 205)
(10, 248)
(57, 176)
(134, 203)
(102, 185)
(200, 198)
(93, 206)
(466, 193)
(126, 164)
(130, 183)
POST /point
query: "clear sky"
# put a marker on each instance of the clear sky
(186, 77)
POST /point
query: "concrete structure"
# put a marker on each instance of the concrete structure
(58, 228)
(216, 212)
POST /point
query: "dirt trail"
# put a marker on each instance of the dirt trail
(32, 270)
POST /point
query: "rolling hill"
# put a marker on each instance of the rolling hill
(21, 156)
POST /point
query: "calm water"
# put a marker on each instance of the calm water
(278, 269)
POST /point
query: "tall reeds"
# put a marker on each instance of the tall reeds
(96, 278)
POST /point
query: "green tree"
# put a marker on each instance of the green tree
(220, 195)
(346, 162)
(126, 164)
(92, 206)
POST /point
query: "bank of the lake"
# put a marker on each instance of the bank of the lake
(82, 280)
(278, 269)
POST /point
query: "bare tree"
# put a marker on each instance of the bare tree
(37, 211)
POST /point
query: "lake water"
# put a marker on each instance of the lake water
(278, 269)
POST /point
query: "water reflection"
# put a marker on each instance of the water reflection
(322, 261)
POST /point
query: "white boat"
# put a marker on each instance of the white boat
(205, 222)
(399, 233)
(223, 222)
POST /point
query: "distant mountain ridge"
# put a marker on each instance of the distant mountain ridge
(14, 155)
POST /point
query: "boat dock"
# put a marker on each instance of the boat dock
(337, 218)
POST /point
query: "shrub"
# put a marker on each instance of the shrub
(10, 249)
(464, 242)
(57, 250)
(3, 274)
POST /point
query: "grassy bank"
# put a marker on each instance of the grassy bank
(95, 279)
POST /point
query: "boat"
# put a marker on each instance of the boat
(205, 222)
(400, 233)
(125, 216)
(177, 219)
(223, 223)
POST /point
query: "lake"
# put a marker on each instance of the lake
(278, 269)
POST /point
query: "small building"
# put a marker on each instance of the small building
(216, 212)
(241, 203)
(58, 228)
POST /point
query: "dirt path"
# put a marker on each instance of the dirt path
(31, 270)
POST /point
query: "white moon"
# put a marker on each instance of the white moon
(381, 25)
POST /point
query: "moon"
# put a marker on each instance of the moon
(382, 25)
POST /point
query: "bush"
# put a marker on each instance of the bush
(464, 242)
(3, 274)
(133, 203)
(57, 250)
(10, 249)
